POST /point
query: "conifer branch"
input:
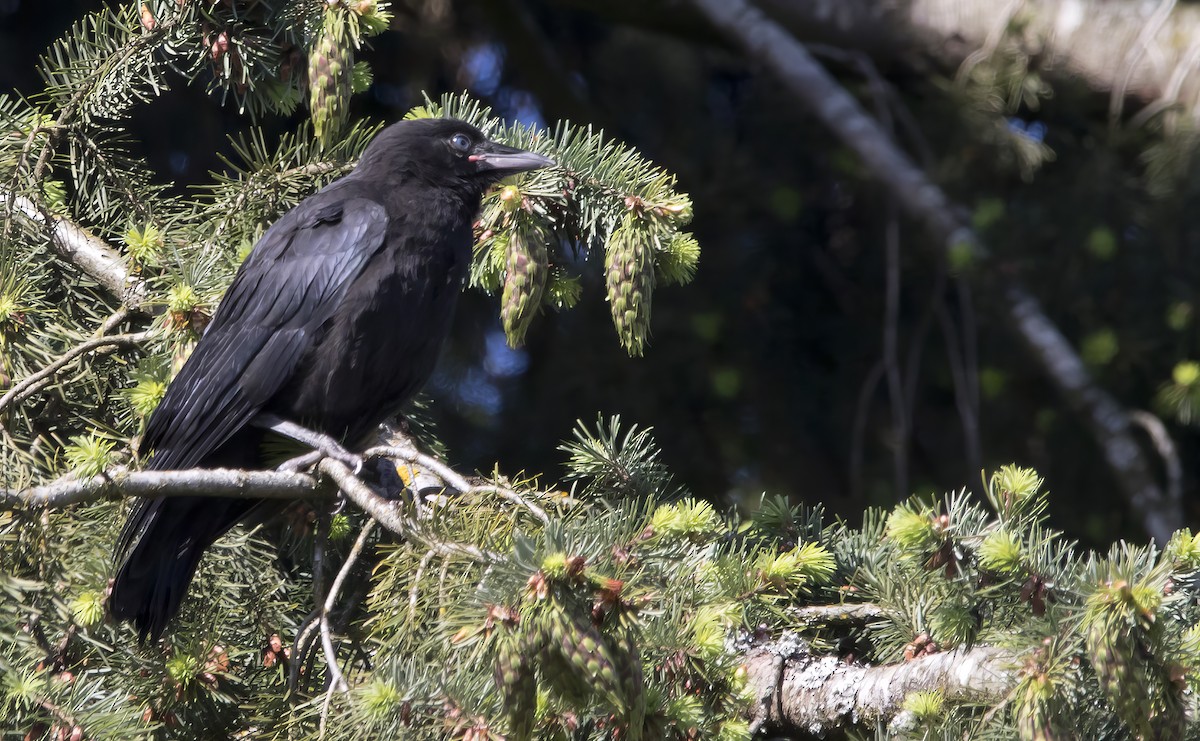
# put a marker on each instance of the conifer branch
(234, 483)
(390, 516)
(795, 690)
(120, 481)
(219, 482)
(823, 615)
(453, 479)
(31, 384)
(102, 262)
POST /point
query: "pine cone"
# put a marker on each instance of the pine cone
(330, 64)
(1032, 724)
(1033, 716)
(526, 266)
(628, 662)
(1111, 649)
(517, 683)
(629, 275)
(558, 674)
(578, 661)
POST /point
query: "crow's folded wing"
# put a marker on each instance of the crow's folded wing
(293, 281)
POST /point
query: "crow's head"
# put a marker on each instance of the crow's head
(445, 151)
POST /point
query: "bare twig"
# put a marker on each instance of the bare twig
(324, 713)
(970, 342)
(901, 424)
(114, 319)
(30, 385)
(305, 635)
(415, 590)
(1133, 55)
(62, 716)
(446, 476)
(449, 476)
(1165, 446)
(324, 444)
(959, 364)
(858, 430)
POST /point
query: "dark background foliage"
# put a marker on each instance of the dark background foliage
(763, 374)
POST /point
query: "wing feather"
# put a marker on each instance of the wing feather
(293, 282)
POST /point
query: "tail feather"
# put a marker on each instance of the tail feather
(160, 551)
(163, 540)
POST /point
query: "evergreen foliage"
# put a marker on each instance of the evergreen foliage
(624, 614)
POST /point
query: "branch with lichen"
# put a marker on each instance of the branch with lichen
(796, 690)
(95, 257)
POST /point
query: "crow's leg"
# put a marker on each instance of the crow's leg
(322, 445)
(301, 462)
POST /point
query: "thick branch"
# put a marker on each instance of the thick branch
(795, 690)
(859, 613)
(216, 482)
(86, 251)
(1147, 50)
(221, 482)
(768, 43)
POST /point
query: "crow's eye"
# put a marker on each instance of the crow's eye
(461, 142)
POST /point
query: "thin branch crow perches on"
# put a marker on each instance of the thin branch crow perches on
(333, 322)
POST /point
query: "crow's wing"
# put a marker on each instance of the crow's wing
(294, 281)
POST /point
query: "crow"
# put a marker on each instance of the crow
(333, 321)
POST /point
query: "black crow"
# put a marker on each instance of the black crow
(333, 322)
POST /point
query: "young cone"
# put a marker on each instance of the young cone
(517, 684)
(629, 668)
(584, 653)
(525, 272)
(1111, 649)
(330, 65)
(629, 276)
(1033, 716)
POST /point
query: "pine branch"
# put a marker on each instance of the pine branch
(120, 481)
(30, 385)
(454, 480)
(86, 251)
(796, 690)
(826, 615)
(234, 483)
(389, 514)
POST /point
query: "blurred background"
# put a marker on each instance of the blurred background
(1070, 154)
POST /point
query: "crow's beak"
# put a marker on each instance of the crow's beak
(498, 159)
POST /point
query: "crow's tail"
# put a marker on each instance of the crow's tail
(159, 551)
